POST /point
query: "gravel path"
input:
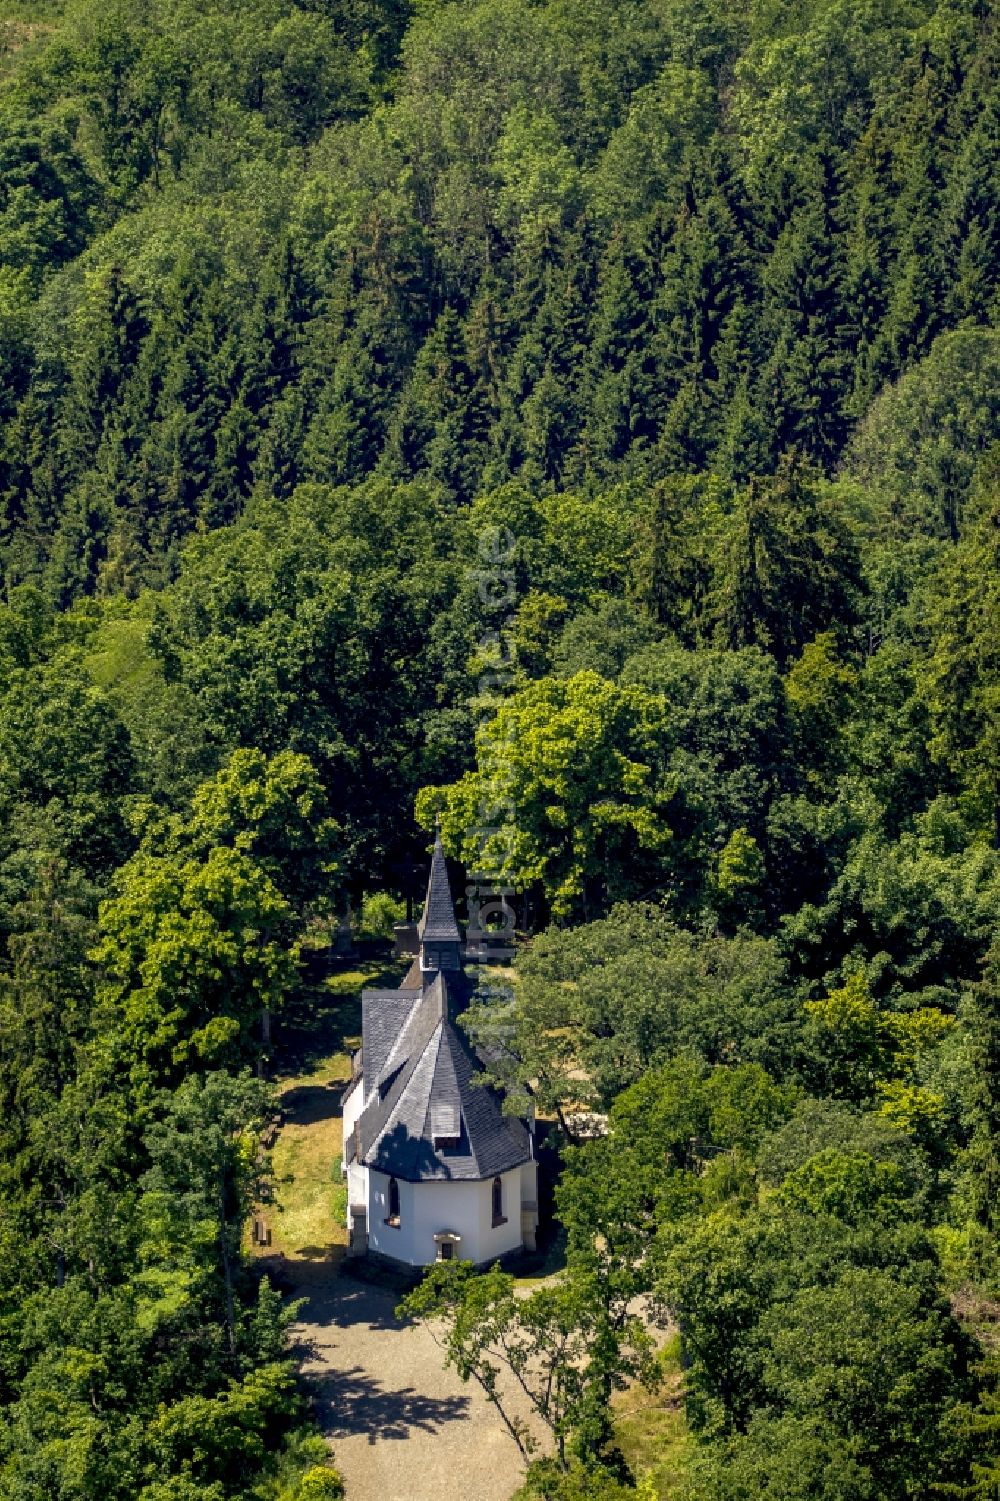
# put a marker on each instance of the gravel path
(402, 1427)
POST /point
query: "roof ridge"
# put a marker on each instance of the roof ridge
(397, 1047)
(428, 1122)
(378, 1112)
(450, 1043)
(419, 1055)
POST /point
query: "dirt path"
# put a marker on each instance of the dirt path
(402, 1428)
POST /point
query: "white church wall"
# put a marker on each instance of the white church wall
(352, 1108)
(446, 1206)
(357, 1189)
(496, 1240)
(529, 1182)
(399, 1241)
(428, 1208)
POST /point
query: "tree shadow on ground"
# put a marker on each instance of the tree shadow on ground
(351, 1402)
(324, 1015)
(308, 1104)
(333, 1300)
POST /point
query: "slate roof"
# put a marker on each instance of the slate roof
(384, 1014)
(438, 925)
(423, 1092)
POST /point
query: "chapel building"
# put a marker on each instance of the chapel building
(435, 1170)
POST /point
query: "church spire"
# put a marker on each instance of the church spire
(440, 939)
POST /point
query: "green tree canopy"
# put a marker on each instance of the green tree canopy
(568, 792)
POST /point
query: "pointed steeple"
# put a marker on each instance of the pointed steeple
(440, 939)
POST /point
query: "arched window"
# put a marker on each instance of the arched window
(393, 1202)
(498, 1217)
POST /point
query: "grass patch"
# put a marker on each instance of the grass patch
(316, 1037)
(307, 1219)
(652, 1432)
(338, 1198)
(652, 1428)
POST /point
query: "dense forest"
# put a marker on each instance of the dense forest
(576, 421)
